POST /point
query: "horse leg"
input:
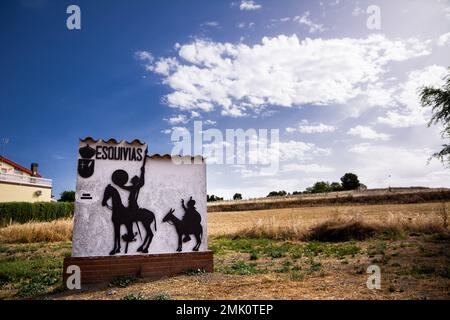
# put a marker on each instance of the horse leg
(141, 247)
(180, 236)
(149, 238)
(199, 241)
(116, 248)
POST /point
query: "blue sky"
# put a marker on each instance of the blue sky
(342, 95)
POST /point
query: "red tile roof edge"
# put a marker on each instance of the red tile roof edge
(18, 166)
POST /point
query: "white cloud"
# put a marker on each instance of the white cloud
(249, 5)
(280, 71)
(299, 150)
(360, 147)
(444, 39)
(409, 111)
(357, 11)
(214, 24)
(181, 118)
(209, 122)
(381, 166)
(306, 127)
(242, 25)
(144, 56)
(367, 133)
(309, 168)
(290, 130)
(180, 130)
(58, 157)
(305, 20)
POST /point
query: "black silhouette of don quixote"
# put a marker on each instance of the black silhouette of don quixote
(136, 212)
(130, 215)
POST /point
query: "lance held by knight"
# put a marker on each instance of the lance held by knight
(134, 189)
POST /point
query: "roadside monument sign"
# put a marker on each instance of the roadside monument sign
(137, 214)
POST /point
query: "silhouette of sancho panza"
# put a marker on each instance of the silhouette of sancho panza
(191, 218)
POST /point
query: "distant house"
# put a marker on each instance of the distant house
(18, 183)
(361, 187)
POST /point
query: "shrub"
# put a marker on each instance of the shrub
(134, 296)
(22, 212)
(67, 196)
(122, 281)
(338, 230)
(237, 196)
(212, 198)
(194, 272)
(281, 193)
(162, 296)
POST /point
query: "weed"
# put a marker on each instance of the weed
(134, 296)
(297, 275)
(194, 272)
(275, 254)
(122, 281)
(31, 289)
(162, 296)
(241, 268)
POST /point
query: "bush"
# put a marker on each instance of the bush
(22, 212)
(337, 231)
(212, 198)
(134, 296)
(67, 196)
(237, 196)
(281, 193)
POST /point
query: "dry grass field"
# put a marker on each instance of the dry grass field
(294, 253)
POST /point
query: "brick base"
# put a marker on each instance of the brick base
(154, 266)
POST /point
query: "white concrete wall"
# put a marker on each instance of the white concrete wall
(165, 185)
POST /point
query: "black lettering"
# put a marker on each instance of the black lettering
(105, 154)
(133, 155)
(139, 154)
(97, 152)
(127, 153)
(111, 153)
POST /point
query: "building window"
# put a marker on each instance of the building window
(4, 170)
(17, 172)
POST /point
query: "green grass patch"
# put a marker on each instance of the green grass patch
(378, 247)
(242, 268)
(29, 270)
(276, 249)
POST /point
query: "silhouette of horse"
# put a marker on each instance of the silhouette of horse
(121, 215)
(184, 229)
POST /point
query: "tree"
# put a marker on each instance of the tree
(212, 198)
(320, 187)
(237, 196)
(350, 181)
(67, 196)
(277, 193)
(335, 186)
(439, 101)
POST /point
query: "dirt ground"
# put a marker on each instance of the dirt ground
(410, 269)
(413, 266)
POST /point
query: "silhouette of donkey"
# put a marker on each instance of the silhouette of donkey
(122, 216)
(185, 226)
